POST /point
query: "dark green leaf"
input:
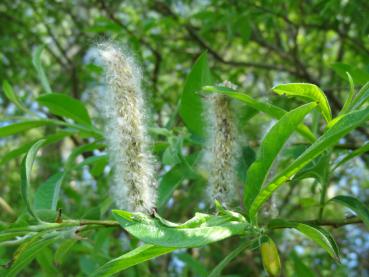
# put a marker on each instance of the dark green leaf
(139, 255)
(346, 123)
(47, 194)
(355, 205)
(269, 149)
(315, 233)
(64, 105)
(191, 109)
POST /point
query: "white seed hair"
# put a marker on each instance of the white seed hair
(223, 148)
(128, 143)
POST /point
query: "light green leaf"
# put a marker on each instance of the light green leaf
(269, 149)
(361, 97)
(139, 255)
(190, 108)
(64, 105)
(26, 169)
(36, 60)
(200, 230)
(9, 92)
(317, 234)
(355, 205)
(47, 194)
(353, 154)
(347, 123)
(306, 91)
(22, 126)
(263, 106)
(348, 102)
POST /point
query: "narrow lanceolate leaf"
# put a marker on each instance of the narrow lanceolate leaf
(262, 106)
(246, 244)
(19, 127)
(26, 169)
(66, 106)
(47, 194)
(347, 123)
(198, 231)
(348, 102)
(9, 92)
(355, 205)
(25, 147)
(190, 109)
(139, 255)
(353, 154)
(36, 60)
(28, 253)
(317, 234)
(307, 91)
(361, 97)
(269, 149)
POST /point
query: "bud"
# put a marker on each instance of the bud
(270, 257)
(127, 139)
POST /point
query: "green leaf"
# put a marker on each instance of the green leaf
(306, 91)
(190, 108)
(361, 97)
(63, 249)
(355, 205)
(359, 76)
(353, 154)
(348, 102)
(231, 256)
(201, 230)
(270, 148)
(47, 194)
(265, 107)
(25, 147)
(64, 105)
(26, 169)
(139, 255)
(346, 123)
(22, 126)
(169, 182)
(9, 92)
(319, 235)
(30, 250)
(36, 60)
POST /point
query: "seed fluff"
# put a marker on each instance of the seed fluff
(128, 143)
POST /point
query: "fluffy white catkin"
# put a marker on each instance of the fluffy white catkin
(127, 139)
(223, 149)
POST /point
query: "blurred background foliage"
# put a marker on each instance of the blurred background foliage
(253, 44)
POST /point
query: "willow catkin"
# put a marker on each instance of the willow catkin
(223, 148)
(126, 135)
